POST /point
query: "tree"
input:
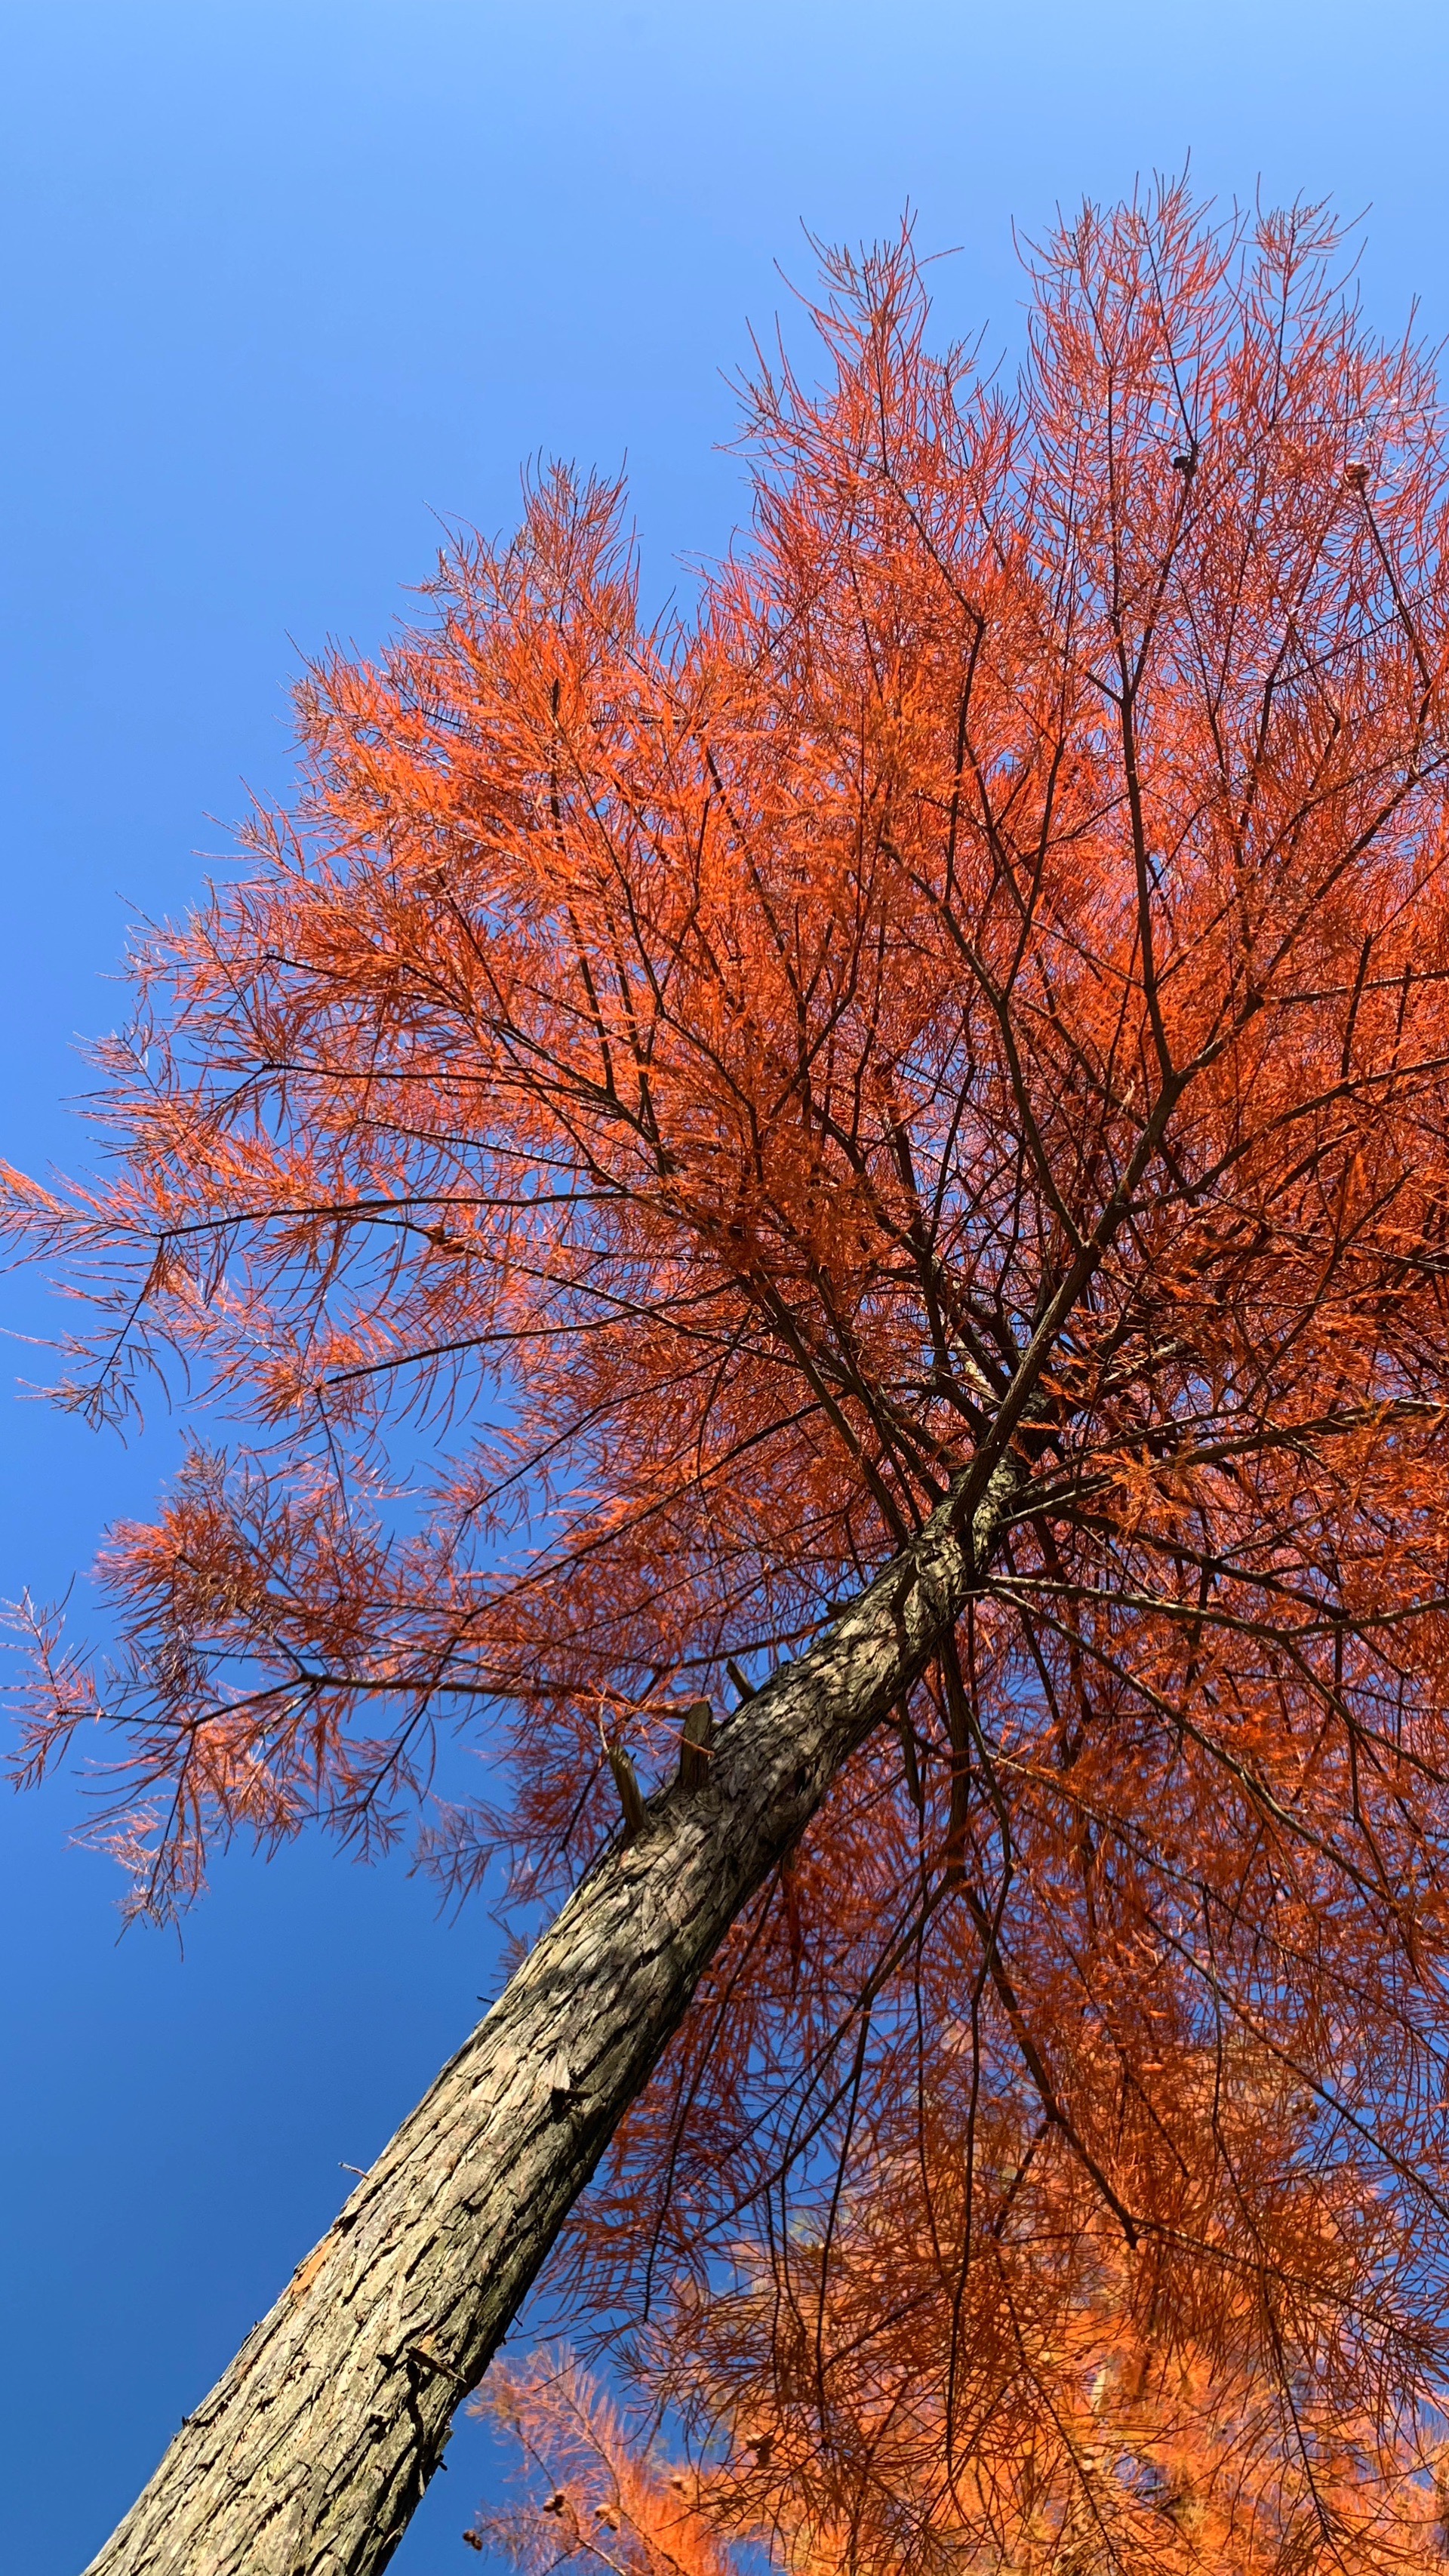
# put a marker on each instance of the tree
(879, 1154)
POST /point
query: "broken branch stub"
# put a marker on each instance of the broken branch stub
(695, 1746)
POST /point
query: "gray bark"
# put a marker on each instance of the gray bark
(311, 2453)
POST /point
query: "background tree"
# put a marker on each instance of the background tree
(1153, 2462)
(880, 1155)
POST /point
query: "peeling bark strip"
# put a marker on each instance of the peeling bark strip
(311, 2454)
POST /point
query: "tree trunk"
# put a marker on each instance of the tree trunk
(311, 2453)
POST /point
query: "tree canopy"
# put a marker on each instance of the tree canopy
(676, 1105)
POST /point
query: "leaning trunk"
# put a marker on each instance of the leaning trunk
(311, 2453)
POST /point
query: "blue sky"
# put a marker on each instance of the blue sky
(282, 283)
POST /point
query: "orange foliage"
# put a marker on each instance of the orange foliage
(677, 1101)
(600, 2499)
(1138, 2467)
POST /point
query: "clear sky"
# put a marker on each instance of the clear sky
(282, 282)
